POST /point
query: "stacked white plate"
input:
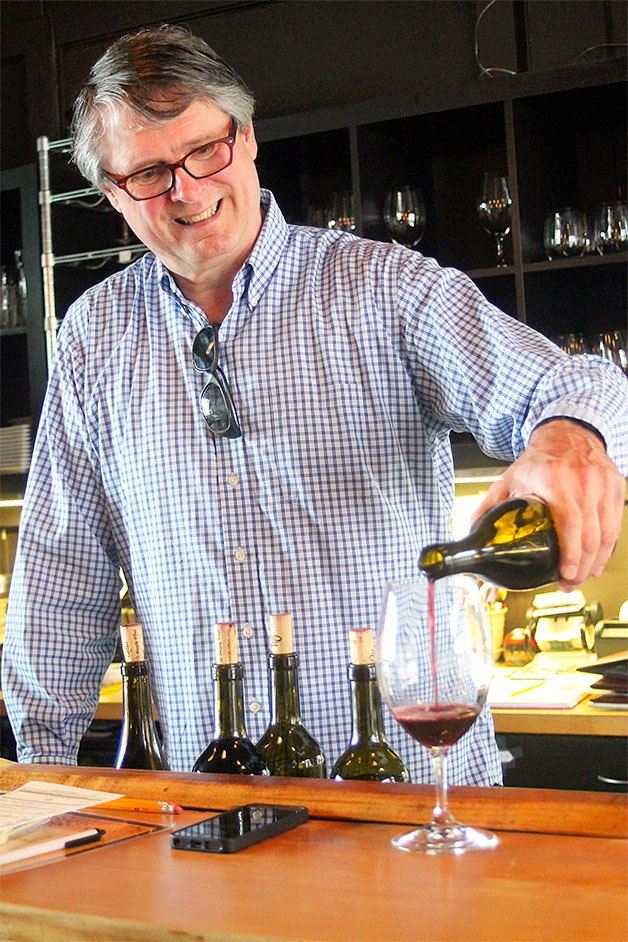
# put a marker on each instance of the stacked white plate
(15, 449)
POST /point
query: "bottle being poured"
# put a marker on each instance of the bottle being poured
(512, 544)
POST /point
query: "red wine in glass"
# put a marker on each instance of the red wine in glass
(439, 724)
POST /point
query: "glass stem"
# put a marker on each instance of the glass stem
(441, 815)
(499, 239)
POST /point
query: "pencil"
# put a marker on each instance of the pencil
(141, 804)
(517, 693)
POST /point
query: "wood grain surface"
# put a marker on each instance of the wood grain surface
(543, 811)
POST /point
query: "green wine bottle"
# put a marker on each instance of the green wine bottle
(513, 545)
(368, 755)
(287, 747)
(230, 752)
(140, 746)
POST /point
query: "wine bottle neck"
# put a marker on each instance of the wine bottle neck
(228, 701)
(284, 688)
(136, 694)
(366, 704)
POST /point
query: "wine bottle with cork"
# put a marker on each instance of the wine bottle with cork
(140, 746)
(368, 756)
(512, 544)
(286, 746)
(230, 752)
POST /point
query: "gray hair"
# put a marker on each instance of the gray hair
(153, 76)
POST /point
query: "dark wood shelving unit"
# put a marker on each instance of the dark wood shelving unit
(22, 349)
(560, 137)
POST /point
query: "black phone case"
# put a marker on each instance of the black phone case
(203, 836)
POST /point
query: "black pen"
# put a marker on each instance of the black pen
(88, 837)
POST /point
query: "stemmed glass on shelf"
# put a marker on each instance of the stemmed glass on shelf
(494, 211)
(404, 215)
(434, 665)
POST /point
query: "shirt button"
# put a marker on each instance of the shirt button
(255, 706)
(233, 480)
(247, 631)
(239, 555)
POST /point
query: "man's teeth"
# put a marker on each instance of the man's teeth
(207, 214)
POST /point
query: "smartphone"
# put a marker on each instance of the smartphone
(238, 828)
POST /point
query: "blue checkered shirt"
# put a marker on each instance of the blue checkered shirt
(349, 362)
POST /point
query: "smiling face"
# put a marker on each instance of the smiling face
(202, 230)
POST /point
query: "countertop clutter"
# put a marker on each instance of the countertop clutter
(559, 871)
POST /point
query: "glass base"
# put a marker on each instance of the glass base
(455, 839)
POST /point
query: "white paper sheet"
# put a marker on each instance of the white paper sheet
(36, 802)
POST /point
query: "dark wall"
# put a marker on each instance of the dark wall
(296, 54)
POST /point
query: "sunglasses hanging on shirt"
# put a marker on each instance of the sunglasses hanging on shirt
(216, 403)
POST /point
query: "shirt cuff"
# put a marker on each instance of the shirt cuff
(570, 418)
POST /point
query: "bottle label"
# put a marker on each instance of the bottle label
(361, 646)
(132, 642)
(281, 634)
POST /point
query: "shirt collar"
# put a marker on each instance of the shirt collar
(256, 273)
(268, 249)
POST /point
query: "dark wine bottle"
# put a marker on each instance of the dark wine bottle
(513, 545)
(140, 746)
(230, 752)
(368, 756)
(287, 747)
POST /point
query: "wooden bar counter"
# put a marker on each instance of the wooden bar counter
(560, 871)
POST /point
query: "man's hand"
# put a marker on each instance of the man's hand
(566, 466)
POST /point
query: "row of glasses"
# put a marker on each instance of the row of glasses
(569, 232)
(405, 217)
(339, 213)
(612, 345)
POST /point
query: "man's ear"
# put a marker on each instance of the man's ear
(250, 140)
(112, 196)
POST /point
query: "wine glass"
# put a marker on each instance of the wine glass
(341, 213)
(611, 228)
(404, 215)
(612, 346)
(434, 663)
(566, 233)
(494, 210)
(573, 344)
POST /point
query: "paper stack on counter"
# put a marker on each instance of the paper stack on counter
(38, 802)
(612, 685)
(558, 692)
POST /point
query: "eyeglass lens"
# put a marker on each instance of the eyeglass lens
(205, 350)
(215, 408)
(216, 402)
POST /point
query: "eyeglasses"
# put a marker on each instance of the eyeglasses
(203, 161)
(216, 402)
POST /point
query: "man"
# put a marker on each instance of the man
(317, 463)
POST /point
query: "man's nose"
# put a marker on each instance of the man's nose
(185, 187)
